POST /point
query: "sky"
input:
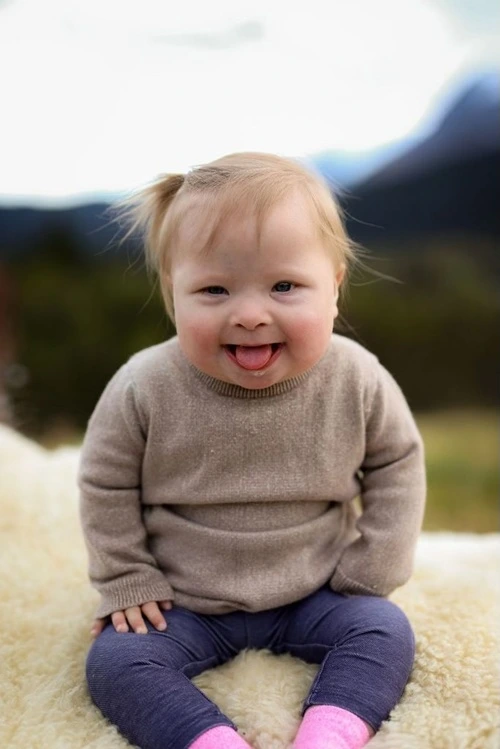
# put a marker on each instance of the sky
(103, 95)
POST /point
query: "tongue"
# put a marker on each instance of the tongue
(253, 357)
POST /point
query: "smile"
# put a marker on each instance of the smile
(254, 358)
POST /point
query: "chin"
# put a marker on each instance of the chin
(257, 380)
(260, 384)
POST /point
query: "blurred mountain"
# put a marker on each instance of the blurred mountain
(465, 123)
(469, 128)
(88, 227)
(344, 169)
(443, 182)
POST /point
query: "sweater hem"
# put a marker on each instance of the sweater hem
(341, 583)
(127, 596)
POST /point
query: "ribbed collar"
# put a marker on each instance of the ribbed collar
(236, 391)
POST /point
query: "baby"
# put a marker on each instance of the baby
(219, 470)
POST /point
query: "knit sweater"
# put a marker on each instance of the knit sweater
(222, 498)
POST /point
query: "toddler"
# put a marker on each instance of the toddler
(219, 469)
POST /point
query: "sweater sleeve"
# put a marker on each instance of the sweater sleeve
(393, 492)
(120, 567)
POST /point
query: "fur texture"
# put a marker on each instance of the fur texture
(453, 601)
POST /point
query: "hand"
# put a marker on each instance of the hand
(133, 616)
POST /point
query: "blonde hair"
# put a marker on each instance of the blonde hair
(220, 189)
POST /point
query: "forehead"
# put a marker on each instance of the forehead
(205, 224)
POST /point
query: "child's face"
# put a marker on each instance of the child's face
(255, 314)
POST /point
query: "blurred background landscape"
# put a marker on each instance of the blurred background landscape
(421, 197)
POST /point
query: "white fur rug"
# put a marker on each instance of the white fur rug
(453, 601)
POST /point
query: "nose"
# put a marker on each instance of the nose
(250, 314)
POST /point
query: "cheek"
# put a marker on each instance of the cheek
(315, 325)
(196, 333)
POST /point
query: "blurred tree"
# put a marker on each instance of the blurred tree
(78, 320)
(77, 323)
(436, 329)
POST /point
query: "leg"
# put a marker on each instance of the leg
(141, 683)
(365, 646)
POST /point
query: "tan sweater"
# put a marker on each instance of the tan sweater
(222, 498)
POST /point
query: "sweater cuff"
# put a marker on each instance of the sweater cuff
(341, 583)
(125, 594)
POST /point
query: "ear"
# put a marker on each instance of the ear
(339, 276)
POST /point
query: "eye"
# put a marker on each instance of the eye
(283, 286)
(214, 290)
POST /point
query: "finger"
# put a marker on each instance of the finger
(134, 618)
(154, 615)
(119, 621)
(97, 627)
(166, 605)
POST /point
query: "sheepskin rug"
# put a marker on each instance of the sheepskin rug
(453, 601)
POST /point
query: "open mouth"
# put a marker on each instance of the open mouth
(254, 358)
(274, 346)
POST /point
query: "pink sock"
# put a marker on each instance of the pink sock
(220, 737)
(329, 727)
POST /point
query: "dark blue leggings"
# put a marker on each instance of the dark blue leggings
(141, 683)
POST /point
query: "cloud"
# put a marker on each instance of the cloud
(104, 94)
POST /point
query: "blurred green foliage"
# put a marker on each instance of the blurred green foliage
(435, 326)
(78, 318)
(461, 448)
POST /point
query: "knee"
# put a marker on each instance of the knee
(384, 619)
(397, 623)
(392, 624)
